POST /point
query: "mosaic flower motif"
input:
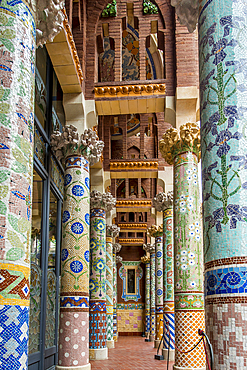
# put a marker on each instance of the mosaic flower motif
(191, 255)
(99, 225)
(77, 228)
(93, 285)
(192, 284)
(183, 259)
(64, 254)
(99, 264)
(86, 256)
(66, 216)
(190, 297)
(183, 253)
(78, 190)
(76, 267)
(159, 273)
(184, 267)
(87, 218)
(67, 179)
(159, 254)
(87, 182)
(191, 262)
(159, 292)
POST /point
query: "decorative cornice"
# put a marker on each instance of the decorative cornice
(131, 241)
(117, 247)
(49, 19)
(71, 42)
(119, 259)
(132, 226)
(126, 90)
(145, 259)
(150, 248)
(155, 230)
(174, 143)
(162, 201)
(70, 143)
(134, 203)
(112, 231)
(99, 200)
(150, 165)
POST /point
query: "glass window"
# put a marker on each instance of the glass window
(131, 281)
(58, 117)
(40, 85)
(36, 272)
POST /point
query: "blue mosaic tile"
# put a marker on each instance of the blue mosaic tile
(232, 280)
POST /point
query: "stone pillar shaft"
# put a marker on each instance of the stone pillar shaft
(16, 160)
(168, 268)
(223, 53)
(74, 293)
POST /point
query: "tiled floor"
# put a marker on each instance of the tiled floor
(131, 353)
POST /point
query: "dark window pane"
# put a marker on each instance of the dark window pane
(131, 281)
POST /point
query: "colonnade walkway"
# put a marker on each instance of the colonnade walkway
(131, 353)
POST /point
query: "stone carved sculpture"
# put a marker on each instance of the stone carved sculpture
(116, 248)
(112, 231)
(69, 142)
(149, 248)
(145, 259)
(119, 259)
(174, 142)
(187, 12)
(99, 200)
(49, 19)
(155, 230)
(163, 201)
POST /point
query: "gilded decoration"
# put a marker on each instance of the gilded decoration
(145, 259)
(155, 230)
(72, 46)
(132, 226)
(131, 241)
(174, 142)
(134, 165)
(134, 203)
(130, 89)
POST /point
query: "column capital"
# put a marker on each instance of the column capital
(69, 142)
(102, 200)
(162, 201)
(150, 248)
(119, 259)
(145, 259)
(187, 12)
(116, 247)
(112, 231)
(49, 17)
(174, 142)
(155, 231)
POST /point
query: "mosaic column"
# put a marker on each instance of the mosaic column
(100, 203)
(223, 97)
(183, 150)
(18, 45)
(119, 259)
(157, 233)
(146, 260)
(116, 249)
(164, 203)
(74, 292)
(150, 248)
(111, 232)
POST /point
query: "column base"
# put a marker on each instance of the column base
(171, 354)
(110, 344)
(152, 338)
(156, 344)
(188, 368)
(84, 367)
(98, 354)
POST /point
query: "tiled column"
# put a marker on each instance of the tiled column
(157, 233)
(97, 333)
(150, 248)
(223, 59)
(146, 260)
(163, 203)
(16, 160)
(183, 150)
(74, 292)
(111, 232)
(119, 259)
(116, 249)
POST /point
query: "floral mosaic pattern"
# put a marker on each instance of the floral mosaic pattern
(147, 297)
(109, 288)
(152, 294)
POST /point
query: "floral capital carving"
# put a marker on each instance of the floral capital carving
(99, 200)
(69, 142)
(119, 259)
(150, 248)
(155, 230)
(145, 259)
(116, 247)
(174, 142)
(112, 231)
(163, 201)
